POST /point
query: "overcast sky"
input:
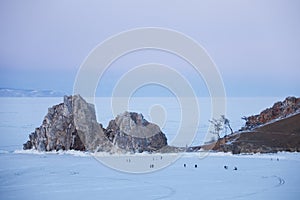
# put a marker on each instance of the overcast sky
(254, 44)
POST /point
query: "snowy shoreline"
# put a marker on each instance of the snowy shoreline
(281, 154)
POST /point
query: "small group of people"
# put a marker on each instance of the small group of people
(226, 167)
(276, 159)
(184, 165)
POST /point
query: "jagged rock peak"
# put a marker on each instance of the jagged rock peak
(131, 132)
(69, 125)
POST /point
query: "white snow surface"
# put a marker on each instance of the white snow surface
(79, 175)
(76, 175)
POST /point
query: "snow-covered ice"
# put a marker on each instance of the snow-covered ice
(66, 176)
(79, 175)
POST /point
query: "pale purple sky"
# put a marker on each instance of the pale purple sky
(255, 44)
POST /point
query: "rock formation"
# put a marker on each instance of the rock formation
(57, 131)
(73, 125)
(69, 125)
(279, 110)
(89, 130)
(131, 132)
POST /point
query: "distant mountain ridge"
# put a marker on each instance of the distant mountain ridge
(12, 92)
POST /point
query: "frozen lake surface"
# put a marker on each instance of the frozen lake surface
(78, 175)
(67, 176)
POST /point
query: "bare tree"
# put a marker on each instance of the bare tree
(221, 124)
(218, 126)
(245, 118)
(226, 124)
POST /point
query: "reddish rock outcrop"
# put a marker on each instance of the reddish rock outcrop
(279, 110)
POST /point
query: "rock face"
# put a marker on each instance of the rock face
(89, 130)
(73, 125)
(69, 125)
(131, 132)
(279, 110)
(57, 131)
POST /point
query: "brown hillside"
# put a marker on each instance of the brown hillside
(281, 135)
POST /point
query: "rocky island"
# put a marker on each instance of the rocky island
(73, 125)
